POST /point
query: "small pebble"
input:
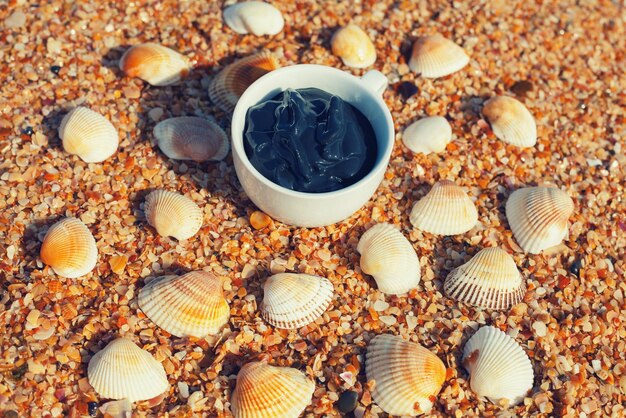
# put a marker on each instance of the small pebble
(521, 88)
(540, 328)
(55, 69)
(15, 20)
(347, 401)
(576, 266)
(259, 220)
(407, 89)
(11, 414)
(92, 408)
(27, 131)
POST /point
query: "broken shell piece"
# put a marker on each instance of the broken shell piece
(88, 134)
(172, 214)
(122, 408)
(255, 17)
(69, 248)
(511, 121)
(264, 391)
(294, 300)
(499, 368)
(435, 56)
(538, 217)
(406, 376)
(189, 305)
(353, 46)
(489, 280)
(122, 370)
(154, 63)
(430, 134)
(388, 256)
(191, 138)
(445, 210)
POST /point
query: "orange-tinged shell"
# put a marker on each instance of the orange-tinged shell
(435, 56)
(154, 63)
(69, 248)
(88, 134)
(265, 391)
(232, 81)
(406, 376)
(191, 138)
(189, 305)
(172, 214)
(511, 121)
(353, 46)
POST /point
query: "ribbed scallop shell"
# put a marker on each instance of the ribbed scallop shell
(498, 367)
(445, 210)
(172, 214)
(407, 376)
(154, 63)
(230, 83)
(511, 121)
(489, 280)
(88, 134)
(430, 134)
(123, 370)
(191, 138)
(69, 248)
(265, 391)
(435, 56)
(538, 217)
(390, 258)
(256, 17)
(189, 305)
(294, 300)
(353, 46)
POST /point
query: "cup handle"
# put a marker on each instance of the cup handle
(375, 81)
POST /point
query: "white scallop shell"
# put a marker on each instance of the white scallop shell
(88, 134)
(445, 210)
(511, 121)
(489, 280)
(499, 368)
(430, 134)
(123, 370)
(256, 17)
(538, 217)
(388, 256)
(435, 56)
(172, 214)
(154, 63)
(191, 138)
(295, 300)
(353, 46)
(69, 248)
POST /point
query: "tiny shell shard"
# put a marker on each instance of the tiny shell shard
(430, 134)
(353, 46)
(154, 63)
(511, 121)
(255, 17)
(69, 248)
(435, 56)
(88, 134)
(191, 138)
(172, 214)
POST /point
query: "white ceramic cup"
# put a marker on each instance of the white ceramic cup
(314, 209)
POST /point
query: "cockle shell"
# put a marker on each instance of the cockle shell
(230, 83)
(435, 56)
(406, 376)
(388, 256)
(69, 248)
(255, 17)
(511, 121)
(264, 391)
(172, 214)
(191, 138)
(445, 210)
(538, 217)
(489, 280)
(123, 370)
(353, 46)
(430, 134)
(154, 63)
(294, 300)
(88, 134)
(499, 368)
(189, 305)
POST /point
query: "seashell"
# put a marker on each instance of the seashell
(499, 368)
(445, 210)
(191, 138)
(154, 63)
(511, 121)
(435, 56)
(388, 256)
(353, 46)
(255, 17)
(189, 305)
(172, 214)
(230, 83)
(88, 134)
(264, 391)
(123, 370)
(407, 376)
(538, 217)
(489, 280)
(69, 248)
(294, 300)
(430, 134)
